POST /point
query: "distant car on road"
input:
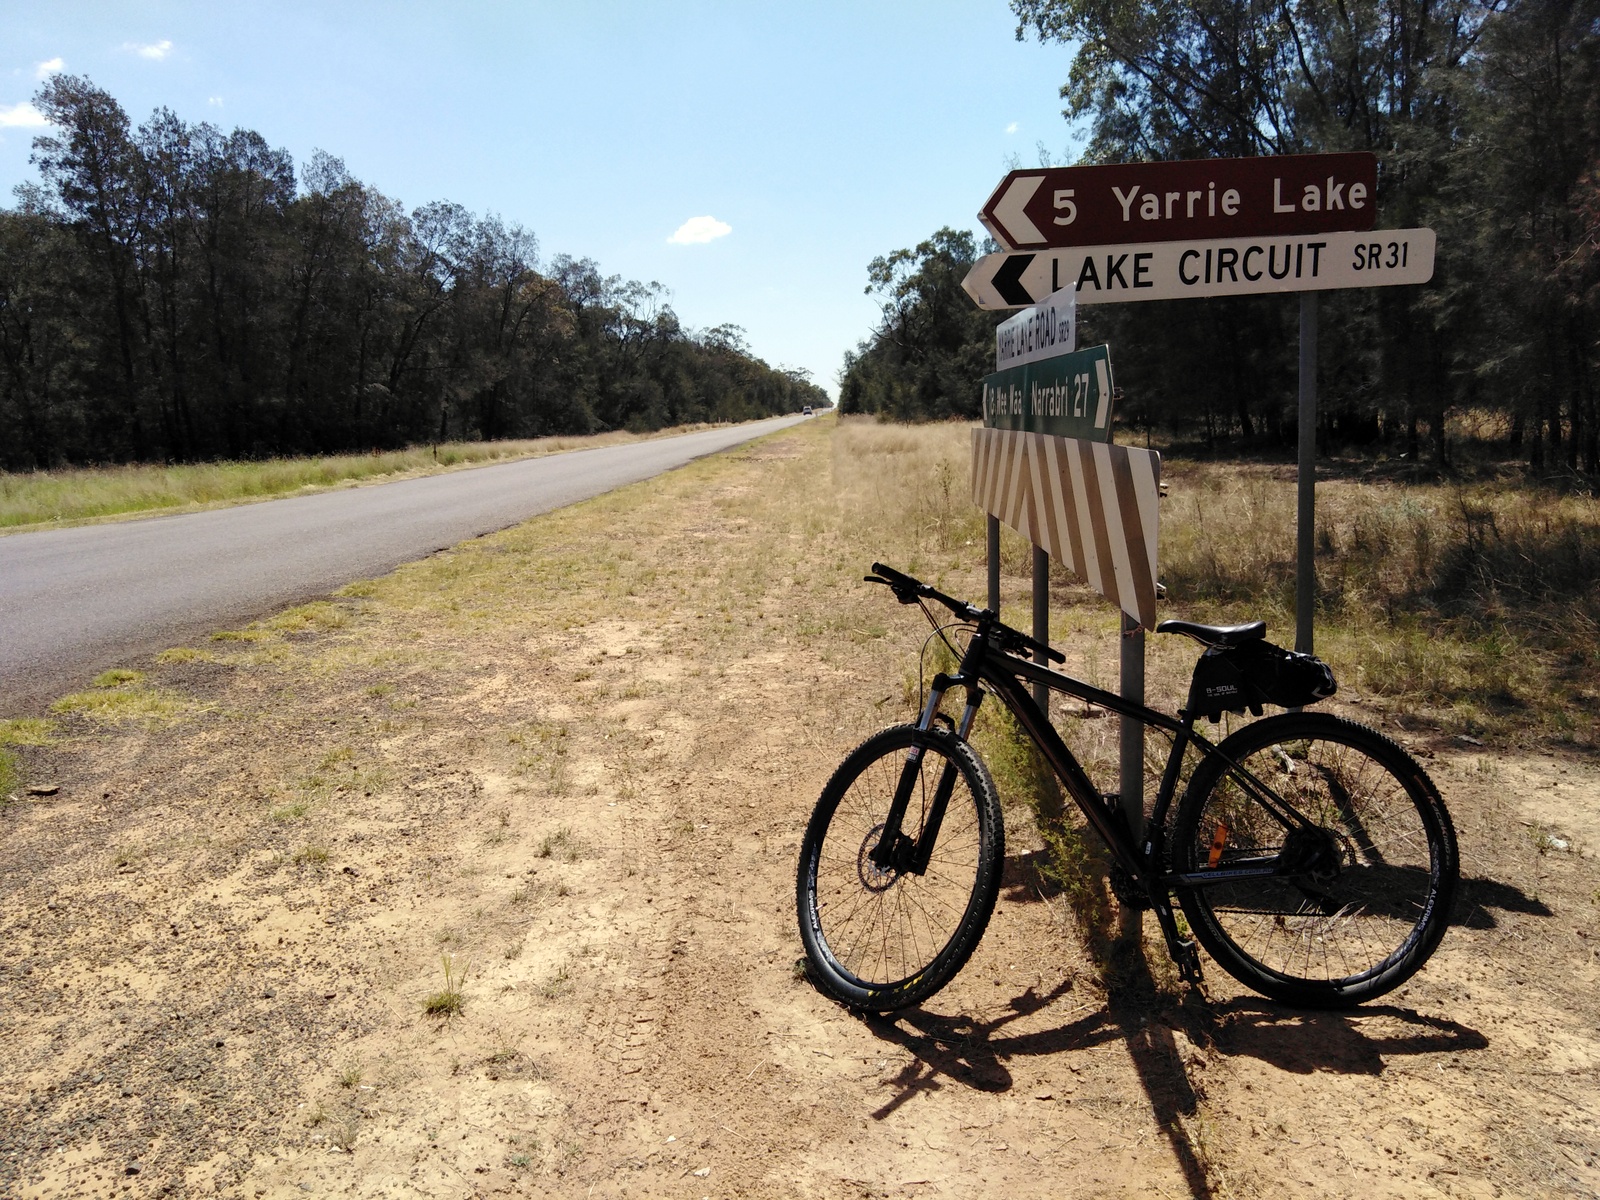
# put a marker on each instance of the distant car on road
(806, 411)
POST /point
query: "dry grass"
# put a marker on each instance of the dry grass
(74, 495)
(1473, 606)
(123, 697)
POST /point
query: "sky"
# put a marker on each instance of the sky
(750, 157)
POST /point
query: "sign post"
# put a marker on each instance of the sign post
(1305, 570)
(1163, 231)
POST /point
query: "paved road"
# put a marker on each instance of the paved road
(75, 601)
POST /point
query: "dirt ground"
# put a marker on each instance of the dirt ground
(555, 780)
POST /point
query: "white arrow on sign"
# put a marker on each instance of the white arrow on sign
(1011, 225)
(1226, 267)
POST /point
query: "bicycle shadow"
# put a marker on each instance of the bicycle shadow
(972, 1053)
(1304, 1042)
(1478, 896)
(961, 1051)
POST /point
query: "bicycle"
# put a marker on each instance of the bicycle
(1312, 856)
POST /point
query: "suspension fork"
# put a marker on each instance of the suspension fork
(894, 850)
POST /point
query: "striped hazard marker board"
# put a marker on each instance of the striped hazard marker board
(1093, 506)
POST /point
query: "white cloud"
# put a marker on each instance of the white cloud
(48, 67)
(214, 101)
(156, 50)
(21, 116)
(698, 230)
(1011, 128)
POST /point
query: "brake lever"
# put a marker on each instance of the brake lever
(904, 595)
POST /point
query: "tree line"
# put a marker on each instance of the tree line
(1485, 117)
(172, 292)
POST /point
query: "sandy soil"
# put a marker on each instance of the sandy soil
(570, 764)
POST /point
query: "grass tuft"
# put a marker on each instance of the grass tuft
(27, 731)
(449, 1001)
(119, 697)
(562, 844)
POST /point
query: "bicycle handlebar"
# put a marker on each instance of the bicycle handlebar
(908, 590)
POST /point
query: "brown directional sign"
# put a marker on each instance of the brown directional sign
(1198, 199)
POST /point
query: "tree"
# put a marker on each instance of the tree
(932, 346)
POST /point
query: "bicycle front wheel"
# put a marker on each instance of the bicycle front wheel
(1367, 880)
(876, 938)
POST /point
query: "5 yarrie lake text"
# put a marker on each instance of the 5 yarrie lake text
(1192, 200)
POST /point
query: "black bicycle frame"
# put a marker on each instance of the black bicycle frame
(1140, 856)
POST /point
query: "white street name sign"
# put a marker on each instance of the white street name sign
(1045, 330)
(1224, 267)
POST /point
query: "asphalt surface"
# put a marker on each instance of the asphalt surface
(76, 601)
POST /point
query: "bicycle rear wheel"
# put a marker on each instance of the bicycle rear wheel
(878, 939)
(1368, 885)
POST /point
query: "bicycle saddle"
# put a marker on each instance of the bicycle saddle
(1216, 635)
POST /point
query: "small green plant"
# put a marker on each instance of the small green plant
(10, 773)
(563, 843)
(449, 1001)
(506, 1046)
(27, 731)
(350, 1076)
(290, 812)
(1546, 841)
(344, 1136)
(182, 654)
(558, 983)
(317, 615)
(312, 854)
(252, 634)
(118, 696)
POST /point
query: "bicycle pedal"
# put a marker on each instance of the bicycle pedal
(1187, 956)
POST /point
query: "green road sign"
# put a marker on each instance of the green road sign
(1068, 396)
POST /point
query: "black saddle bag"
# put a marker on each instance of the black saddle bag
(1236, 678)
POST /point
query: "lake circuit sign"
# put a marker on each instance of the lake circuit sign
(1182, 269)
(1207, 227)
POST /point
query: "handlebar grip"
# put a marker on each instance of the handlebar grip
(905, 588)
(1051, 655)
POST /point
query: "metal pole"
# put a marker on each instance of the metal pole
(1132, 760)
(1041, 621)
(994, 564)
(1305, 581)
